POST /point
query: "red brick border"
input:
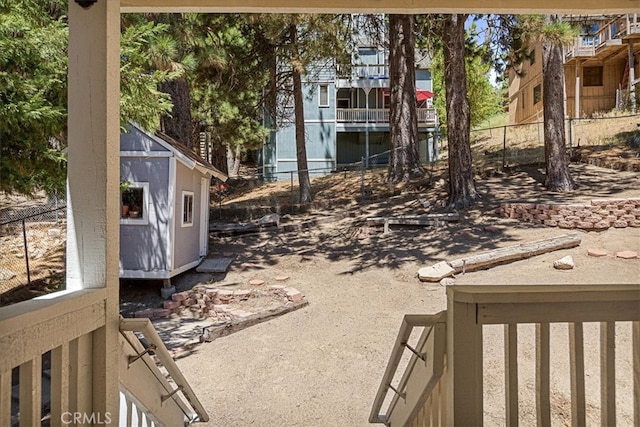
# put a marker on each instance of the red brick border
(600, 214)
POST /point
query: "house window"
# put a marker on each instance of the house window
(537, 94)
(532, 57)
(323, 95)
(592, 76)
(187, 208)
(134, 201)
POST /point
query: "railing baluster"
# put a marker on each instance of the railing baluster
(543, 395)
(576, 366)
(80, 384)
(5, 398)
(607, 374)
(635, 360)
(30, 392)
(59, 382)
(511, 372)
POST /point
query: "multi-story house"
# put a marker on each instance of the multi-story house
(346, 111)
(600, 70)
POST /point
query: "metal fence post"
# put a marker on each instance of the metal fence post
(362, 180)
(570, 138)
(26, 250)
(504, 149)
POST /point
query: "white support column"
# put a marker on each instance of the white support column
(93, 177)
(464, 363)
(576, 106)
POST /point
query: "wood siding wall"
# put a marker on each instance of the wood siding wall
(522, 108)
(593, 98)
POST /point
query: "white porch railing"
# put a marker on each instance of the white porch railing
(54, 344)
(457, 397)
(379, 115)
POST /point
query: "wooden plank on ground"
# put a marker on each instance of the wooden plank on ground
(215, 265)
(428, 219)
(212, 332)
(515, 253)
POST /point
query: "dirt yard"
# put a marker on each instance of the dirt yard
(321, 365)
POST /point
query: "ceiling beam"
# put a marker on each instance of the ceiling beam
(384, 6)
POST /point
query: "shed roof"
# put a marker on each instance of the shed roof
(186, 156)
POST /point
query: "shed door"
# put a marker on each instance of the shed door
(204, 216)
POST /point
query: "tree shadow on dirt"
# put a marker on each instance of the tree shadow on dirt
(349, 239)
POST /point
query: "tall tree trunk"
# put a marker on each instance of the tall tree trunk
(179, 125)
(233, 161)
(301, 150)
(404, 161)
(558, 177)
(462, 188)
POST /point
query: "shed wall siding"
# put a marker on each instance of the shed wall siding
(187, 239)
(134, 140)
(144, 247)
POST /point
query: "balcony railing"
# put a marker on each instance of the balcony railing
(615, 30)
(364, 71)
(433, 392)
(51, 347)
(379, 115)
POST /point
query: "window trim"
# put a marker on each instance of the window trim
(184, 194)
(537, 88)
(144, 219)
(320, 87)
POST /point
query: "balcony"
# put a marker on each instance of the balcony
(606, 41)
(426, 116)
(363, 75)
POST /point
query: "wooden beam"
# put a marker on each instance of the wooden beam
(383, 6)
(515, 253)
(428, 219)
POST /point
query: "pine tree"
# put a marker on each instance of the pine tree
(404, 162)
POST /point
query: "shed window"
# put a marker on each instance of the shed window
(532, 57)
(187, 209)
(134, 200)
(323, 95)
(592, 76)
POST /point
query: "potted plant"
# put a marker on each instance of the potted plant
(124, 197)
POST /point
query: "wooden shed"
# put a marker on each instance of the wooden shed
(164, 189)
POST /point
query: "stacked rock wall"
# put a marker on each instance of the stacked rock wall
(599, 214)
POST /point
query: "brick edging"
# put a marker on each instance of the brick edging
(599, 214)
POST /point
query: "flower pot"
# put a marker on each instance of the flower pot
(125, 211)
(134, 214)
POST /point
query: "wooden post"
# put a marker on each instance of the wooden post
(607, 374)
(511, 373)
(632, 77)
(576, 367)
(543, 392)
(464, 366)
(93, 184)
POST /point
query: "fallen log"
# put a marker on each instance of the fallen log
(427, 219)
(515, 253)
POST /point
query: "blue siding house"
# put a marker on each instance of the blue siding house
(346, 113)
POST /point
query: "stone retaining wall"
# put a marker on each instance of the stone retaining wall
(206, 302)
(599, 214)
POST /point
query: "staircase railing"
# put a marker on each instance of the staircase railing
(165, 398)
(422, 376)
(560, 331)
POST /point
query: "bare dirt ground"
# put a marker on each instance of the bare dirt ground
(322, 365)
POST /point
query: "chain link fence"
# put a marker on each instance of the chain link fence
(33, 246)
(502, 147)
